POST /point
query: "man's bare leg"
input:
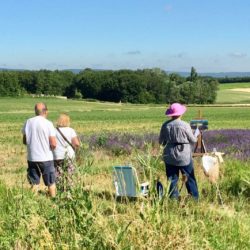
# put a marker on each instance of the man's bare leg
(52, 190)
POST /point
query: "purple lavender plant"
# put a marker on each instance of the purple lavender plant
(234, 142)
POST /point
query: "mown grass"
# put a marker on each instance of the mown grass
(89, 217)
(225, 93)
(234, 85)
(89, 117)
(231, 97)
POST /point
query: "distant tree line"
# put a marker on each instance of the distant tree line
(134, 86)
(233, 79)
(16, 83)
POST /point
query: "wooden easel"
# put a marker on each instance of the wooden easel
(201, 124)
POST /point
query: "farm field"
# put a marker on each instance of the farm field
(233, 93)
(88, 217)
(234, 85)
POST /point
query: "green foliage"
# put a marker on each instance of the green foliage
(152, 165)
(28, 223)
(234, 79)
(9, 85)
(193, 75)
(140, 86)
(77, 94)
(236, 179)
(35, 82)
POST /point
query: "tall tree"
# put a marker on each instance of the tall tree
(193, 75)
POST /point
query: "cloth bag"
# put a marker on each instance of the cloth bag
(211, 167)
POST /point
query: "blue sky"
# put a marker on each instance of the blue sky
(212, 36)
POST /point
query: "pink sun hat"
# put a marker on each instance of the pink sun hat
(176, 109)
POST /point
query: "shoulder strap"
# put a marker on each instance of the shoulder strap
(63, 136)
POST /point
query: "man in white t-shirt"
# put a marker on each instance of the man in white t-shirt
(39, 136)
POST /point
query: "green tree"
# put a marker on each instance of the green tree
(9, 84)
(193, 75)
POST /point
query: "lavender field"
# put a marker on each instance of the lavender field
(235, 143)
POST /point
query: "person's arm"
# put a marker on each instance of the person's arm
(74, 139)
(24, 140)
(162, 137)
(192, 139)
(24, 134)
(52, 136)
(75, 142)
(52, 142)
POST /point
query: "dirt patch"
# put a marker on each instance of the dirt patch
(246, 90)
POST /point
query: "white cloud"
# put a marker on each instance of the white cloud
(238, 55)
(133, 52)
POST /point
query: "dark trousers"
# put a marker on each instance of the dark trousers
(173, 176)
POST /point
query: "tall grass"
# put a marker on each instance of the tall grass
(86, 217)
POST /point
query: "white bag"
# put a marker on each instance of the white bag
(210, 165)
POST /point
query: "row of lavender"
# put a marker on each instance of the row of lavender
(234, 142)
(120, 143)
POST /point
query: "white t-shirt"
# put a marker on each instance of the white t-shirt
(38, 130)
(63, 149)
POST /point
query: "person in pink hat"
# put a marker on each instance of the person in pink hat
(177, 138)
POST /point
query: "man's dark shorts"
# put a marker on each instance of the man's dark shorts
(46, 169)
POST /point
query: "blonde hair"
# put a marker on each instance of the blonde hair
(63, 121)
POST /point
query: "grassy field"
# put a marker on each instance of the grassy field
(227, 95)
(234, 85)
(89, 217)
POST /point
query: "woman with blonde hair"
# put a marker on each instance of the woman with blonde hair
(64, 154)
